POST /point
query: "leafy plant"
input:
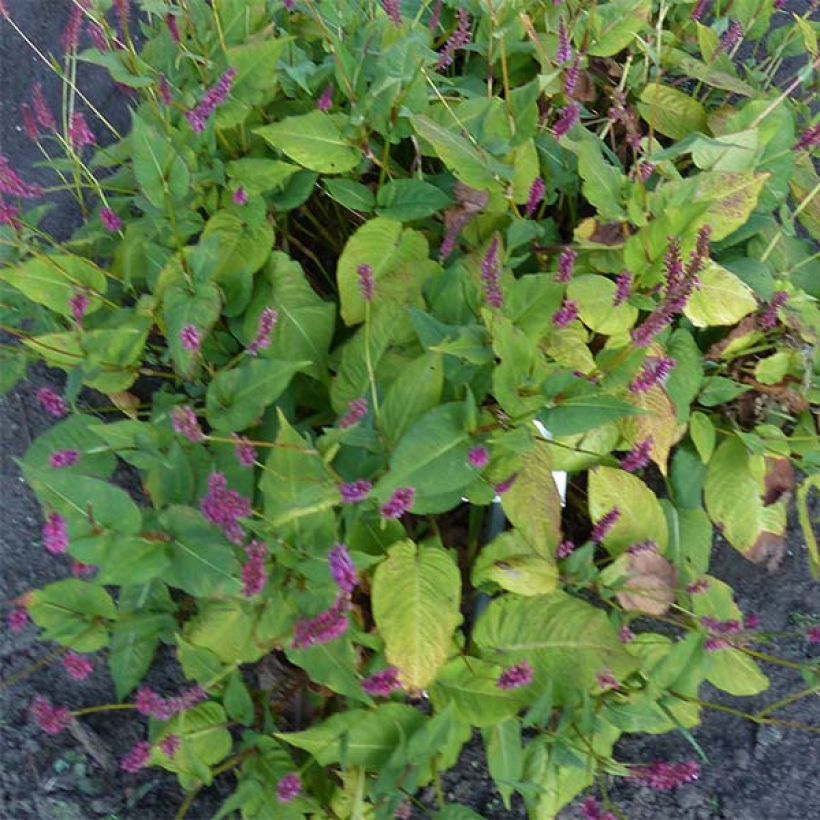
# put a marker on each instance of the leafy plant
(442, 336)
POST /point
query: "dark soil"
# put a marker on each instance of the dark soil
(754, 773)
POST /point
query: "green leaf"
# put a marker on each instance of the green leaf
(416, 390)
(237, 700)
(728, 152)
(134, 640)
(467, 162)
(86, 503)
(416, 599)
(470, 685)
(671, 112)
(52, 281)
(128, 560)
(616, 24)
(432, 458)
(226, 629)
(513, 564)
(602, 182)
(332, 665)
(73, 613)
(505, 756)
(73, 433)
(566, 640)
(595, 296)
(533, 504)
(359, 737)
(13, 366)
(398, 258)
(407, 199)
(314, 141)
(198, 305)
(732, 671)
(687, 376)
(720, 299)
(351, 194)
(578, 414)
(720, 390)
(641, 518)
(197, 663)
(732, 197)
(774, 368)
(257, 176)
(703, 435)
(236, 398)
(202, 561)
(160, 170)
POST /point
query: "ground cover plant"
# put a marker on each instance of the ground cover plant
(361, 282)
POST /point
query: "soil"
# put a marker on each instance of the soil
(753, 773)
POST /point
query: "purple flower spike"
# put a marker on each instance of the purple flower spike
(254, 576)
(169, 745)
(604, 525)
(458, 40)
(490, 277)
(244, 451)
(392, 9)
(225, 507)
(564, 550)
(478, 457)
(564, 52)
(186, 424)
(51, 719)
(17, 620)
(324, 628)
(566, 314)
(381, 684)
(567, 120)
(810, 138)
(12, 185)
(51, 402)
(637, 458)
(137, 758)
(190, 338)
(41, 110)
(110, 221)
(623, 287)
(591, 809)
(78, 304)
(173, 28)
(325, 102)
(356, 411)
(55, 534)
(654, 371)
(399, 503)
(240, 197)
(60, 459)
(76, 666)
(566, 262)
(211, 100)
(264, 330)
(288, 788)
(79, 134)
(813, 635)
(366, 284)
(536, 197)
(29, 122)
(699, 10)
(606, 680)
(732, 37)
(342, 569)
(355, 492)
(664, 777)
(514, 677)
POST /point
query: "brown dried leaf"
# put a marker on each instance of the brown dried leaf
(651, 586)
(768, 549)
(744, 334)
(778, 481)
(126, 403)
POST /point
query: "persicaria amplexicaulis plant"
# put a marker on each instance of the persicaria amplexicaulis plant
(441, 340)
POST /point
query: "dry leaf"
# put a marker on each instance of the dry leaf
(652, 583)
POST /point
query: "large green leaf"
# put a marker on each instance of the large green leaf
(567, 641)
(226, 629)
(202, 561)
(73, 433)
(332, 665)
(257, 175)
(416, 598)
(160, 170)
(615, 25)
(513, 563)
(314, 141)
(732, 196)
(581, 413)
(595, 296)
(721, 298)
(671, 112)
(237, 397)
(505, 756)
(134, 640)
(398, 259)
(73, 613)
(533, 504)
(602, 182)
(407, 199)
(52, 281)
(199, 305)
(416, 390)
(641, 518)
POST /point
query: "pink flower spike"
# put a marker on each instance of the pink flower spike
(186, 424)
(224, 507)
(356, 411)
(147, 702)
(566, 262)
(70, 39)
(97, 36)
(355, 492)
(52, 720)
(567, 119)
(366, 285)
(173, 28)
(137, 758)
(564, 52)
(78, 304)
(79, 134)
(9, 215)
(288, 788)
(566, 314)
(164, 90)
(399, 503)
(55, 534)
(604, 525)
(606, 680)
(110, 221)
(12, 185)
(458, 40)
(190, 339)
(211, 100)
(625, 635)
(29, 122)
(393, 11)
(515, 677)
(325, 101)
(381, 684)
(254, 576)
(809, 139)
(81, 570)
(244, 451)
(623, 287)
(267, 322)
(41, 109)
(478, 458)
(51, 402)
(17, 620)
(60, 459)
(535, 198)
(698, 11)
(169, 745)
(324, 628)
(503, 486)
(663, 777)
(77, 667)
(813, 635)
(490, 277)
(342, 569)
(240, 197)
(637, 458)
(591, 809)
(564, 550)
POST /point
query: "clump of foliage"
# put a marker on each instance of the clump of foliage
(442, 336)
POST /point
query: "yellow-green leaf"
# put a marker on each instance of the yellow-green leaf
(671, 112)
(657, 422)
(416, 598)
(641, 518)
(595, 296)
(511, 563)
(721, 299)
(733, 197)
